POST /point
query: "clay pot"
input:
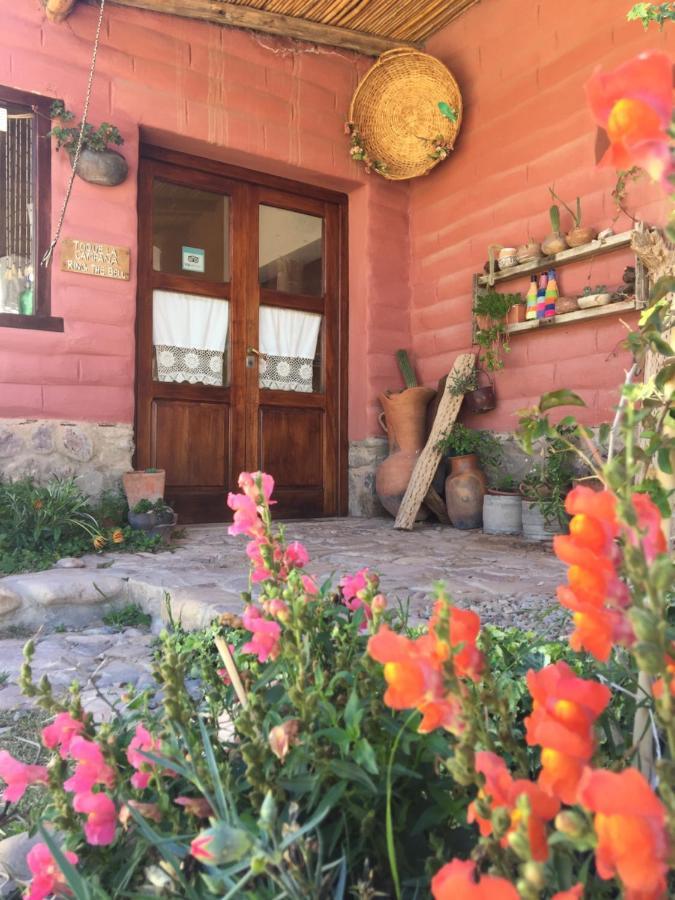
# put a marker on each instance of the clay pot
(578, 236)
(566, 305)
(106, 167)
(143, 485)
(483, 398)
(554, 243)
(465, 488)
(404, 420)
(528, 252)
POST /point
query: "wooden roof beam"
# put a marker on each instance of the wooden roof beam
(224, 13)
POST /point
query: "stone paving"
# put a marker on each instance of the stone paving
(506, 580)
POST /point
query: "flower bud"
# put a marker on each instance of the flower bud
(645, 625)
(649, 658)
(534, 874)
(268, 812)
(501, 820)
(221, 844)
(379, 604)
(571, 823)
(519, 844)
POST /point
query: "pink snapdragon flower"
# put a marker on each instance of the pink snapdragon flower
(259, 570)
(248, 482)
(355, 591)
(296, 556)
(61, 732)
(246, 519)
(195, 806)
(310, 586)
(99, 829)
(145, 742)
(91, 768)
(264, 642)
(48, 879)
(19, 776)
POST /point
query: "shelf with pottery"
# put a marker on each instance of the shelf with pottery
(578, 315)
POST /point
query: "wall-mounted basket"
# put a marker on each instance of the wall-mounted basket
(396, 115)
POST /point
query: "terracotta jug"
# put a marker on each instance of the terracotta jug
(403, 419)
(465, 488)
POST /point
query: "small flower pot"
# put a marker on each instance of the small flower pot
(527, 253)
(535, 526)
(579, 236)
(143, 485)
(554, 243)
(502, 513)
(145, 521)
(104, 167)
(483, 398)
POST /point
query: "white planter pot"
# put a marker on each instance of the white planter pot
(535, 527)
(502, 513)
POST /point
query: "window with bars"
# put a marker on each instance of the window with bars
(25, 201)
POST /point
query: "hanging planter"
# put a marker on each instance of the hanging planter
(97, 162)
(405, 115)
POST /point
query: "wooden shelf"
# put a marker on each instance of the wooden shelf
(577, 316)
(574, 254)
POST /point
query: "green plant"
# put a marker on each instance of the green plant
(575, 213)
(111, 508)
(554, 216)
(96, 139)
(145, 506)
(459, 384)
(506, 484)
(491, 309)
(460, 441)
(652, 12)
(406, 369)
(550, 479)
(129, 616)
(589, 291)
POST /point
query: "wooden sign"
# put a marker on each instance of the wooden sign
(89, 258)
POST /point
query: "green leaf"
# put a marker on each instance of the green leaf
(664, 461)
(563, 397)
(664, 285)
(448, 111)
(344, 769)
(365, 756)
(353, 712)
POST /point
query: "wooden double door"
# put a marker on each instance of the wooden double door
(241, 336)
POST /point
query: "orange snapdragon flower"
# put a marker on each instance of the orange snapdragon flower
(502, 792)
(563, 716)
(595, 593)
(633, 104)
(463, 628)
(457, 880)
(630, 826)
(658, 686)
(413, 672)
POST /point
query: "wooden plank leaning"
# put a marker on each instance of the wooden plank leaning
(426, 465)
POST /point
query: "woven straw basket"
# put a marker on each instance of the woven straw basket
(395, 110)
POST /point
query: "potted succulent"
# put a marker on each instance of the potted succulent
(594, 296)
(143, 515)
(97, 164)
(491, 310)
(578, 234)
(469, 451)
(144, 484)
(528, 252)
(503, 507)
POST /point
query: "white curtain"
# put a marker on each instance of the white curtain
(288, 341)
(189, 334)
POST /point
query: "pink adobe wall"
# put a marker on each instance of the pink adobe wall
(522, 66)
(217, 92)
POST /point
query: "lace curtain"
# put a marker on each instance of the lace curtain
(189, 334)
(288, 341)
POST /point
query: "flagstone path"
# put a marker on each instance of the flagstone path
(507, 581)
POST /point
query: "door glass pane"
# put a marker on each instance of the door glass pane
(191, 232)
(290, 348)
(190, 338)
(17, 264)
(291, 251)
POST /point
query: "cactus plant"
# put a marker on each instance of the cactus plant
(554, 214)
(406, 369)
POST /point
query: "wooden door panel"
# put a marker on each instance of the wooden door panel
(194, 444)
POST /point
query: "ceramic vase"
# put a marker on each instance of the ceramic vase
(403, 419)
(465, 489)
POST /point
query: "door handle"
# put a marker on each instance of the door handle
(251, 354)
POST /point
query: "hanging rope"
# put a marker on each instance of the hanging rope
(47, 258)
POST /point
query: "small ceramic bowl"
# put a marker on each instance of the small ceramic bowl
(507, 262)
(588, 301)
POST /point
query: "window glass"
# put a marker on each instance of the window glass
(291, 251)
(190, 338)
(191, 232)
(17, 210)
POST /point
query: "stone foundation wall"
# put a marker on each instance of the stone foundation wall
(95, 453)
(364, 457)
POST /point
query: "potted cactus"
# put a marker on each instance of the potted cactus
(578, 234)
(554, 242)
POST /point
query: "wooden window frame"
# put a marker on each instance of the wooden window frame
(41, 319)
